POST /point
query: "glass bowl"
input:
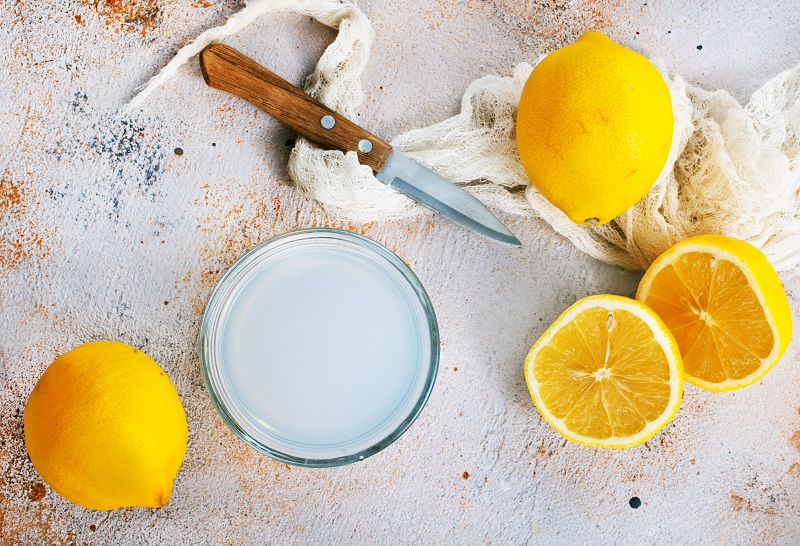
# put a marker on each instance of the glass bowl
(319, 347)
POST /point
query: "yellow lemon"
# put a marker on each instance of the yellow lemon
(607, 373)
(105, 428)
(594, 128)
(726, 307)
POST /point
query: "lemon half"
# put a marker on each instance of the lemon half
(726, 307)
(607, 373)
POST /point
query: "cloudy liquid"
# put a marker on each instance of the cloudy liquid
(323, 349)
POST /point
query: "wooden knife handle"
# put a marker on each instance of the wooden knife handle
(225, 68)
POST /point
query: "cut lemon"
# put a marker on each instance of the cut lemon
(607, 373)
(724, 303)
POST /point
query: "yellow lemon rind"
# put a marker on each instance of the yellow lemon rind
(70, 471)
(662, 336)
(558, 162)
(762, 279)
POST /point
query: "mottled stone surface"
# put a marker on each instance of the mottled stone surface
(107, 231)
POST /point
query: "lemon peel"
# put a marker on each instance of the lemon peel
(594, 128)
(105, 427)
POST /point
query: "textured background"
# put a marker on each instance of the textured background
(108, 230)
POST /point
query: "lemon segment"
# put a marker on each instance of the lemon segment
(724, 303)
(594, 128)
(105, 428)
(606, 373)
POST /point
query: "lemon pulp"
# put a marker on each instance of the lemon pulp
(606, 373)
(724, 304)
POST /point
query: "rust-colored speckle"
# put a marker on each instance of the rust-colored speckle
(738, 503)
(128, 15)
(79, 19)
(465, 475)
(22, 238)
(24, 522)
(38, 492)
(795, 440)
(10, 195)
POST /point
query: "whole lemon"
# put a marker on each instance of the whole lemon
(594, 128)
(105, 428)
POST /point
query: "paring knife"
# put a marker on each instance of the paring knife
(226, 69)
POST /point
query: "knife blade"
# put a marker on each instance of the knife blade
(226, 69)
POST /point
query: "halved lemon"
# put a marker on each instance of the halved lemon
(724, 303)
(607, 373)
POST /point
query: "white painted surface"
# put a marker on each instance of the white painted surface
(108, 233)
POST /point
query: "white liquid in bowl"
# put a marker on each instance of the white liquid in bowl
(321, 349)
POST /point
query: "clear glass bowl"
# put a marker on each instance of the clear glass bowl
(319, 347)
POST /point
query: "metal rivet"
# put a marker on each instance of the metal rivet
(328, 122)
(364, 146)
